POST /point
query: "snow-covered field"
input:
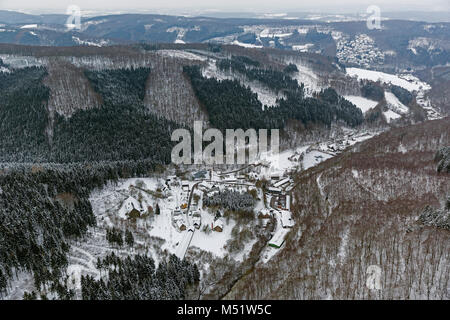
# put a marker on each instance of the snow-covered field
(362, 103)
(181, 54)
(246, 45)
(315, 157)
(391, 115)
(394, 104)
(407, 82)
(307, 76)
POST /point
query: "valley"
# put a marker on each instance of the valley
(93, 207)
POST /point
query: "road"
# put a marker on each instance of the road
(185, 243)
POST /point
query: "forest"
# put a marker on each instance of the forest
(138, 278)
(44, 208)
(231, 105)
(231, 200)
(120, 129)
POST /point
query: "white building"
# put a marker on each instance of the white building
(286, 219)
(217, 225)
(128, 206)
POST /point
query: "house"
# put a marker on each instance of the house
(264, 214)
(196, 219)
(178, 220)
(134, 214)
(185, 186)
(274, 177)
(274, 190)
(281, 183)
(282, 201)
(171, 180)
(181, 225)
(184, 244)
(212, 192)
(131, 208)
(289, 187)
(278, 238)
(217, 225)
(203, 186)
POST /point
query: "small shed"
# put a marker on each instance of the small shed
(264, 214)
(217, 225)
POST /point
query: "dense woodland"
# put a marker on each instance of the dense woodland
(120, 129)
(138, 278)
(231, 200)
(403, 95)
(44, 207)
(231, 105)
(372, 91)
(361, 209)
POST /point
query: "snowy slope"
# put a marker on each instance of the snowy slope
(266, 96)
(391, 115)
(361, 102)
(394, 104)
(407, 82)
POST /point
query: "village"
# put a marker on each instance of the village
(180, 210)
(181, 203)
(175, 202)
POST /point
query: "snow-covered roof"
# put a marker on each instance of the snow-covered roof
(286, 219)
(180, 223)
(177, 214)
(281, 182)
(196, 219)
(129, 204)
(278, 238)
(218, 223)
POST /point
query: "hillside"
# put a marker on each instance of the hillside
(169, 86)
(85, 133)
(361, 209)
(399, 45)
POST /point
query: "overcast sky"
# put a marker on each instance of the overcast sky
(348, 6)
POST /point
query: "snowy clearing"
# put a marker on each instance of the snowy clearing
(394, 104)
(181, 54)
(407, 82)
(391, 115)
(362, 103)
